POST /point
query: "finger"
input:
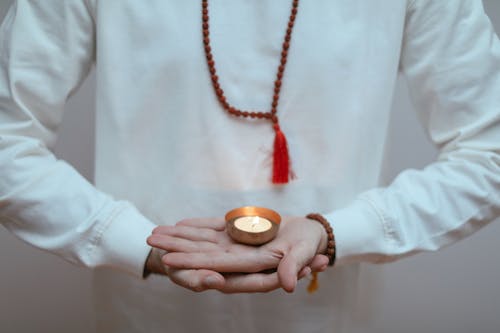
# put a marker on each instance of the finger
(304, 272)
(169, 243)
(196, 280)
(215, 223)
(187, 232)
(245, 261)
(319, 263)
(250, 283)
(291, 264)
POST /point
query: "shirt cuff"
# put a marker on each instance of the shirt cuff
(122, 243)
(360, 234)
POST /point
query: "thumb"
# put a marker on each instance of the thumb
(291, 264)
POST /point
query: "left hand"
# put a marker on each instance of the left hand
(203, 244)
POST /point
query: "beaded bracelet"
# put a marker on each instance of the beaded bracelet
(331, 247)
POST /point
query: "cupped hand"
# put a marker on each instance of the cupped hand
(199, 250)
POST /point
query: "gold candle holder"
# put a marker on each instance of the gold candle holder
(252, 225)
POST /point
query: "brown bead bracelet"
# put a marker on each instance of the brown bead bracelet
(331, 247)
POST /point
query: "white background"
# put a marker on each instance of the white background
(455, 290)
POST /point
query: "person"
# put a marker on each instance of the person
(166, 150)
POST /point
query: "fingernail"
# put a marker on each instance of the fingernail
(211, 282)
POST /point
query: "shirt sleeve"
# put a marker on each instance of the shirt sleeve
(46, 50)
(450, 58)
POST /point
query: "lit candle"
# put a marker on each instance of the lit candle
(252, 225)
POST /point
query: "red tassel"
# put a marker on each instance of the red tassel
(281, 159)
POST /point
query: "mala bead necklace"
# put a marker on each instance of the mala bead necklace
(281, 160)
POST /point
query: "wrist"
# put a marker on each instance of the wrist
(327, 243)
(153, 264)
(323, 243)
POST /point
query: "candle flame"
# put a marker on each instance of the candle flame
(255, 221)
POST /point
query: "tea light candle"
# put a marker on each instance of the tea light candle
(252, 225)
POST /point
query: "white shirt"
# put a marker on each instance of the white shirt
(166, 150)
